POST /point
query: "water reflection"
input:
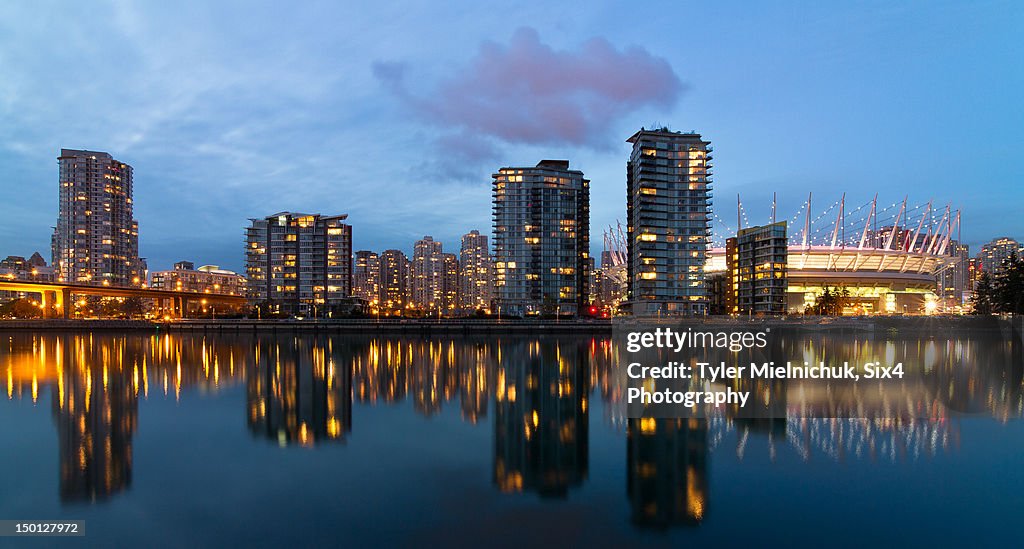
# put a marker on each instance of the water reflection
(667, 471)
(300, 391)
(541, 423)
(96, 409)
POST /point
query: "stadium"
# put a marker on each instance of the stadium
(884, 259)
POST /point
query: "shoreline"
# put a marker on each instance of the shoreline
(880, 325)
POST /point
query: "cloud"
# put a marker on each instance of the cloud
(529, 93)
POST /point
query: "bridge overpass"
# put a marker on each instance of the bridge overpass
(59, 296)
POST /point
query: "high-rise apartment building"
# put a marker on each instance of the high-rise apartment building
(394, 281)
(449, 283)
(476, 273)
(428, 274)
(668, 197)
(366, 276)
(299, 263)
(998, 250)
(758, 269)
(541, 239)
(953, 280)
(96, 240)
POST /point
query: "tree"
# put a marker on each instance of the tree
(1002, 292)
(20, 308)
(829, 302)
(984, 295)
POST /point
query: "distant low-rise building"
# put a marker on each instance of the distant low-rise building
(34, 268)
(15, 267)
(207, 279)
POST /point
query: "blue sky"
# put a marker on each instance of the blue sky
(397, 113)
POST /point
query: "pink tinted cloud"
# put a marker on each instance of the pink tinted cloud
(528, 92)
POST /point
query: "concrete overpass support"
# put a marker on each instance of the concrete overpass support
(44, 303)
(64, 303)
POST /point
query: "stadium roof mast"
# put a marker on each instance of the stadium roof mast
(839, 222)
(896, 225)
(739, 209)
(807, 220)
(934, 244)
(920, 225)
(867, 222)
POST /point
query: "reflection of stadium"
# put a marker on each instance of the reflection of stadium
(886, 259)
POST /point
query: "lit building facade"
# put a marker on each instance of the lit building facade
(668, 192)
(96, 240)
(759, 269)
(394, 281)
(207, 279)
(541, 239)
(449, 282)
(476, 273)
(18, 268)
(953, 281)
(366, 276)
(428, 274)
(995, 252)
(299, 263)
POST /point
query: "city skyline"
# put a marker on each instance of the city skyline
(215, 140)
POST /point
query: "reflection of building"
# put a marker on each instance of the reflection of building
(758, 269)
(209, 279)
(96, 412)
(366, 276)
(96, 240)
(476, 271)
(541, 418)
(666, 471)
(395, 289)
(299, 262)
(541, 239)
(300, 392)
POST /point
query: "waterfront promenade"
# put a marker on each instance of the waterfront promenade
(415, 326)
(937, 326)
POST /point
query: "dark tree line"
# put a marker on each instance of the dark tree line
(1002, 292)
(830, 302)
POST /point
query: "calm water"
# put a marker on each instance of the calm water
(241, 440)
